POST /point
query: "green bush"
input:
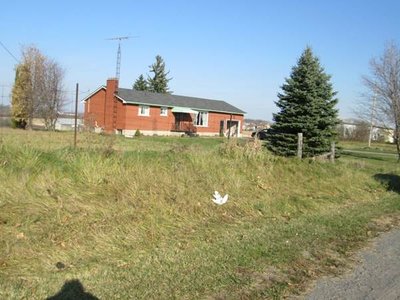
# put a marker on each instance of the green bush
(18, 123)
(138, 133)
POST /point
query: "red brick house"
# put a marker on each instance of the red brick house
(118, 110)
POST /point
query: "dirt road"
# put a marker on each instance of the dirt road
(376, 277)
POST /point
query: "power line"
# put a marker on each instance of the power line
(2, 86)
(9, 52)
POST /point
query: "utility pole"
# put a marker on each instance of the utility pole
(2, 96)
(76, 113)
(2, 107)
(3, 111)
(229, 129)
(372, 120)
(2, 93)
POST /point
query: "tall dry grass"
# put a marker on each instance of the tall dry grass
(133, 218)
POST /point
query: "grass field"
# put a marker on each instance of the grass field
(133, 218)
(375, 147)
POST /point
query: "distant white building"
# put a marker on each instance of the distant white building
(350, 128)
(66, 124)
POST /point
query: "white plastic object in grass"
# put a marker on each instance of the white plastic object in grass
(218, 199)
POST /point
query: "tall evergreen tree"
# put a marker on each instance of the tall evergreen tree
(21, 94)
(140, 84)
(158, 83)
(307, 105)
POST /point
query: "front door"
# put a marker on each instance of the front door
(221, 128)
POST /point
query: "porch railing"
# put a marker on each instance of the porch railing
(183, 127)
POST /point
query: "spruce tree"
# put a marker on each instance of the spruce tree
(307, 105)
(158, 83)
(140, 84)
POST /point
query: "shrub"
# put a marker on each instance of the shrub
(138, 133)
(18, 123)
(238, 149)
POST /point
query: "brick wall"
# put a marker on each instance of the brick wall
(94, 109)
(105, 110)
(214, 120)
(156, 122)
(121, 114)
(152, 122)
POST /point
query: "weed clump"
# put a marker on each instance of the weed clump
(242, 149)
(138, 133)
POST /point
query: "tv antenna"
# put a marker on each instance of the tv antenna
(119, 38)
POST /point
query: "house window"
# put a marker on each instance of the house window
(201, 119)
(164, 111)
(144, 110)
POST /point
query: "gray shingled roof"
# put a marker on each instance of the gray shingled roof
(139, 97)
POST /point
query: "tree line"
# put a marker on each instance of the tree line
(307, 102)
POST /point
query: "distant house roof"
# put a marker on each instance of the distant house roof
(154, 99)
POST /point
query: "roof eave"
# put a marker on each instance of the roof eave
(120, 98)
(91, 94)
(192, 107)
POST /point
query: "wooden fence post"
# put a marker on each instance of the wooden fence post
(300, 145)
(333, 152)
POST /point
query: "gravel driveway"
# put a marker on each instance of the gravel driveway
(376, 277)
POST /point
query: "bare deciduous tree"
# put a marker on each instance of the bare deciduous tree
(35, 64)
(358, 131)
(52, 99)
(384, 84)
(37, 91)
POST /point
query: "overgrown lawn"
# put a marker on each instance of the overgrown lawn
(134, 219)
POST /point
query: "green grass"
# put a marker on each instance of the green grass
(375, 155)
(375, 147)
(133, 218)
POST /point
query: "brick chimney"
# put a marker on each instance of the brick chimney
(110, 105)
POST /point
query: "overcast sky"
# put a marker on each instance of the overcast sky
(237, 51)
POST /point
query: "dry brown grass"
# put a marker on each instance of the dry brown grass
(133, 218)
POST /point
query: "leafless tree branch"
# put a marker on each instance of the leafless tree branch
(383, 83)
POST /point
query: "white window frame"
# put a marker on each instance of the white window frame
(204, 119)
(146, 111)
(165, 114)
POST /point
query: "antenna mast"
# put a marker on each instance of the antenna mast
(119, 38)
